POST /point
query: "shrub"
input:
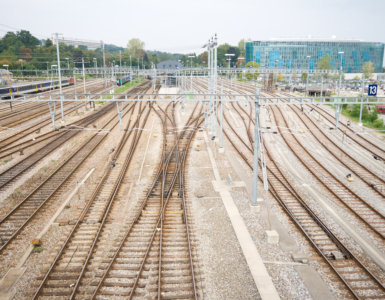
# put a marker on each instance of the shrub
(378, 123)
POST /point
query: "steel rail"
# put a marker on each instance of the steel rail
(292, 191)
(106, 211)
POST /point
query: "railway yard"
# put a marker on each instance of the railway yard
(149, 206)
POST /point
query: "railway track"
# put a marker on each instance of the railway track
(18, 107)
(373, 181)
(360, 208)
(140, 254)
(356, 279)
(56, 141)
(363, 141)
(34, 125)
(356, 205)
(23, 213)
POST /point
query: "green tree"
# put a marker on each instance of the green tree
(135, 48)
(48, 43)
(27, 39)
(325, 62)
(367, 69)
(241, 47)
(252, 74)
(304, 77)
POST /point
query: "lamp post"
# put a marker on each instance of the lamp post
(95, 63)
(58, 65)
(229, 58)
(307, 77)
(338, 108)
(68, 63)
(191, 57)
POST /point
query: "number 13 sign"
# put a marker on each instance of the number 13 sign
(372, 90)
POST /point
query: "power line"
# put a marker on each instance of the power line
(20, 29)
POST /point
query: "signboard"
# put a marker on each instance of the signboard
(372, 90)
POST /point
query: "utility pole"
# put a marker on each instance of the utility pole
(338, 108)
(58, 65)
(84, 76)
(256, 145)
(120, 58)
(362, 99)
(191, 56)
(47, 70)
(130, 70)
(104, 65)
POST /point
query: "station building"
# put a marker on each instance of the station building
(169, 64)
(305, 53)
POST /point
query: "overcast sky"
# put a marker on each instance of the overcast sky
(184, 26)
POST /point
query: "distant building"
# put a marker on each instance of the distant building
(89, 44)
(169, 64)
(294, 54)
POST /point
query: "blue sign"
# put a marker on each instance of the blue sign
(372, 90)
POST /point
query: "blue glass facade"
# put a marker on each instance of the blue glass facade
(295, 54)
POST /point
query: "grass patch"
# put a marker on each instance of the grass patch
(121, 89)
(369, 118)
(128, 85)
(80, 76)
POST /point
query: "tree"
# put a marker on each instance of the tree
(27, 39)
(48, 43)
(241, 47)
(304, 77)
(26, 53)
(367, 69)
(252, 65)
(325, 62)
(135, 48)
(204, 58)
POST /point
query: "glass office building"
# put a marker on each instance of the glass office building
(304, 54)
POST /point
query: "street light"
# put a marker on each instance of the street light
(307, 77)
(229, 59)
(68, 63)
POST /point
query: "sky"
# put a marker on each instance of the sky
(181, 26)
